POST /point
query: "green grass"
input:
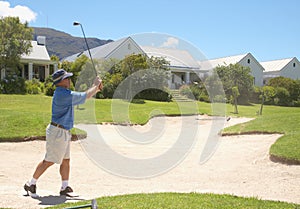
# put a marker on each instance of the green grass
(118, 111)
(24, 116)
(181, 201)
(284, 120)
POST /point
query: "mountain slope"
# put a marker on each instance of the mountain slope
(62, 44)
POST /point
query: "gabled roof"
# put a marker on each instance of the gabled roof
(213, 63)
(106, 49)
(38, 52)
(177, 58)
(275, 65)
(102, 51)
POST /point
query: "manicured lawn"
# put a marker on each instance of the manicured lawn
(275, 119)
(24, 116)
(181, 201)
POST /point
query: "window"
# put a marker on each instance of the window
(265, 82)
(294, 64)
(248, 61)
(129, 46)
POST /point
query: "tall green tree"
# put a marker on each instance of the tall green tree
(15, 40)
(267, 93)
(236, 75)
(76, 68)
(235, 94)
(133, 63)
(214, 87)
(135, 71)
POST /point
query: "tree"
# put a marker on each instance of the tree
(133, 63)
(15, 40)
(235, 94)
(236, 75)
(282, 96)
(134, 72)
(214, 87)
(292, 86)
(267, 93)
(76, 68)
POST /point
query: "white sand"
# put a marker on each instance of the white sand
(240, 166)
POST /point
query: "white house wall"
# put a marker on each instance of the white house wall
(291, 70)
(127, 48)
(256, 68)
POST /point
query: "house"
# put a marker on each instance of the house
(246, 60)
(37, 64)
(184, 69)
(289, 68)
(117, 49)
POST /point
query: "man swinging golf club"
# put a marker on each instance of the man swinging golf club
(58, 134)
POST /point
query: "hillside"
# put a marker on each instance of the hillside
(62, 44)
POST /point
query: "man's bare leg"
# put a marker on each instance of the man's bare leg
(41, 168)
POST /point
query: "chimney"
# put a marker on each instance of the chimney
(41, 40)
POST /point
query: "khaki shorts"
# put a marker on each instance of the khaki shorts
(57, 144)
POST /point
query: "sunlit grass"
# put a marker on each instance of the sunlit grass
(181, 201)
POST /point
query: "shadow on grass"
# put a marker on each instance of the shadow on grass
(55, 199)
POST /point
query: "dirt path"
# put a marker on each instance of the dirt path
(240, 166)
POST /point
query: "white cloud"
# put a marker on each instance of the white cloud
(23, 12)
(171, 42)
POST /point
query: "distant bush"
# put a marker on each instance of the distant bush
(195, 91)
(186, 91)
(155, 95)
(108, 90)
(13, 85)
(49, 88)
(282, 97)
(34, 86)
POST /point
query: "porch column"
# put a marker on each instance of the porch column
(55, 67)
(187, 78)
(30, 71)
(23, 72)
(2, 73)
(47, 71)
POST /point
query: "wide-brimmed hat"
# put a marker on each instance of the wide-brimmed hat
(60, 75)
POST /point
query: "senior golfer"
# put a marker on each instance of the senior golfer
(58, 134)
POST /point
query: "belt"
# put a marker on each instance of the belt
(57, 125)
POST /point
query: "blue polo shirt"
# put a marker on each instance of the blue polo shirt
(63, 103)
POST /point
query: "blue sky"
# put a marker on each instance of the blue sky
(269, 29)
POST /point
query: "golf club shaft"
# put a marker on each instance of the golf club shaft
(87, 45)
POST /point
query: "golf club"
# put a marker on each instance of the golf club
(76, 24)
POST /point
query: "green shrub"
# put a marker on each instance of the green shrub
(186, 91)
(154, 95)
(12, 84)
(219, 98)
(296, 103)
(49, 89)
(282, 97)
(108, 90)
(193, 91)
(33, 86)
